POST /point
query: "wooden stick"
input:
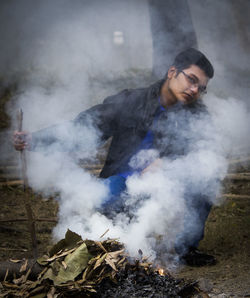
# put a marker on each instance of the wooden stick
(8, 168)
(238, 176)
(9, 176)
(239, 160)
(26, 219)
(11, 183)
(31, 222)
(233, 196)
(13, 249)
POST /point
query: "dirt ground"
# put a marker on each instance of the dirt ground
(227, 237)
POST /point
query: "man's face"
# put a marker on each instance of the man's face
(186, 86)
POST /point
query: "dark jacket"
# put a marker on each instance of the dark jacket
(127, 117)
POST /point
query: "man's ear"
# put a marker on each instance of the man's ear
(171, 72)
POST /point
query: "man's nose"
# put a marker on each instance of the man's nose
(194, 89)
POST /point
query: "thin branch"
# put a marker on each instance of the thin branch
(31, 222)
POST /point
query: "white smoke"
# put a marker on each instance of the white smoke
(156, 199)
(64, 48)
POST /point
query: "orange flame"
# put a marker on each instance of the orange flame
(161, 271)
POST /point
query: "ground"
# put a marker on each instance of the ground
(227, 238)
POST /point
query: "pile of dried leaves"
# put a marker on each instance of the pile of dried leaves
(86, 268)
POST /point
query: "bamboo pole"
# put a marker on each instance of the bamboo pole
(31, 221)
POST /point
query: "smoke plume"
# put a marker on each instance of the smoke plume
(62, 54)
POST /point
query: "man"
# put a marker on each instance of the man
(157, 118)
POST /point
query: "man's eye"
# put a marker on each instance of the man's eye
(191, 80)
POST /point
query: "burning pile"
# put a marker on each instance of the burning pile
(87, 268)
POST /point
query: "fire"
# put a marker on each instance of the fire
(161, 271)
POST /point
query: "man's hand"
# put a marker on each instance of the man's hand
(21, 140)
(154, 166)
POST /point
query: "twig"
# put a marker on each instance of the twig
(31, 222)
(104, 233)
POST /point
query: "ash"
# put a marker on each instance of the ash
(135, 281)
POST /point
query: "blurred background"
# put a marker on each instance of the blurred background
(60, 57)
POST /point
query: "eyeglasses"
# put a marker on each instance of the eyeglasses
(193, 83)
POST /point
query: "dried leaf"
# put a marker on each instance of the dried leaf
(34, 285)
(41, 274)
(15, 261)
(64, 265)
(102, 271)
(121, 261)
(10, 285)
(65, 253)
(26, 275)
(86, 273)
(40, 295)
(18, 281)
(76, 262)
(99, 261)
(51, 292)
(24, 266)
(91, 290)
(115, 254)
(6, 275)
(101, 246)
(70, 240)
(43, 260)
(109, 260)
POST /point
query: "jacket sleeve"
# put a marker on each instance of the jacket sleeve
(104, 117)
(101, 120)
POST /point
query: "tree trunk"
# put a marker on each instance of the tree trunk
(14, 269)
(172, 31)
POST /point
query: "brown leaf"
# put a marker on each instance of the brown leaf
(110, 262)
(18, 281)
(36, 291)
(26, 275)
(10, 285)
(34, 285)
(70, 241)
(99, 261)
(65, 253)
(15, 261)
(87, 272)
(6, 274)
(51, 292)
(64, 265)
(115, 254)
(42, 273)
(101, 246)
(121, 261)
(24, 266)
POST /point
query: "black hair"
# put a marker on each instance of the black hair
(192, 56)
